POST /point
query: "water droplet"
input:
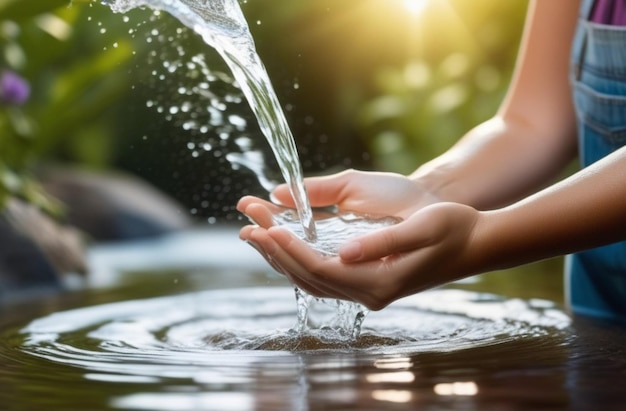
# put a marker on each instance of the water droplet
(237, 121)
(244, 143)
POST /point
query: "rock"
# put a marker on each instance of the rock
(35, 250)
(114, 206)
(38, 253)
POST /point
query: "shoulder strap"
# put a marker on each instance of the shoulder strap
(585, 9)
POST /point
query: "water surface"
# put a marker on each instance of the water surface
(233, 349)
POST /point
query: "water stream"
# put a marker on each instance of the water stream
(222, 25)
(168, 347)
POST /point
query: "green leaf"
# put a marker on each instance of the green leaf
(82, 92)
(17, 10)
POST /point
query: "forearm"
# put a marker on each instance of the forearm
(532, 137)
(584, 211)
(497, 163)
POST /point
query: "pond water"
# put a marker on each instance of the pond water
(179, 324)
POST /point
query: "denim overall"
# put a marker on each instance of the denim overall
(596, 279)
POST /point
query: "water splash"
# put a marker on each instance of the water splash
(334, 228)
(146, 335)
(222, 25)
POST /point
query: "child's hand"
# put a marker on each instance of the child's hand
(376, 194)
(433, 246)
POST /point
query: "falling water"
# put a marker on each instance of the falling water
(221, 24)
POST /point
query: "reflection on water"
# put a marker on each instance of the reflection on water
(159, 332)
(443, 350)
(232, 349)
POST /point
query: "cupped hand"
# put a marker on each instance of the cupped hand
(435, 245)
(376, 193)
(372, 193)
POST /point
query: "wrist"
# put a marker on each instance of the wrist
(440, 183)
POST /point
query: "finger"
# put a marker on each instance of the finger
(327, 190)
(386, 241)
(282, 195)
(322, 191)
(260, 214)
(304, 263)
(247, 201)
(267, 258)
(245, 232)
(308, 288)
(300, 273)
(285, 265)
(351, 284)
(370, 283)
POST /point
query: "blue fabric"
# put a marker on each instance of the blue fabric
(596, 279)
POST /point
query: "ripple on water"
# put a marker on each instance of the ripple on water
(179, 336)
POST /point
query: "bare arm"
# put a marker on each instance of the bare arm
(447, 241)
(495, 165)
(532, 137)
(584, 211)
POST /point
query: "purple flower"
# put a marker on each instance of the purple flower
(13, 88)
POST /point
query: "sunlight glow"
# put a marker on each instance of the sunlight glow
(415, 6)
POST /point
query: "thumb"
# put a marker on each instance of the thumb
(281, 195)
(322, 191)
(386, 241)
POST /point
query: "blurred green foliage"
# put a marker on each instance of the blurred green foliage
(367, 85)
(426, 104)
(405, 86)
(75, 78)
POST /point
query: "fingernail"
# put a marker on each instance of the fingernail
(351, 251)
